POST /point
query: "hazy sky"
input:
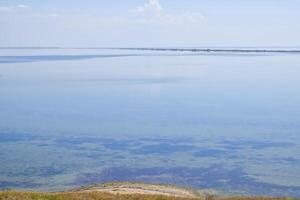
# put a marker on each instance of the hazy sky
(149, 23)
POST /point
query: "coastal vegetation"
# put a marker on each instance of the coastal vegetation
(14, 195)
(126, 191)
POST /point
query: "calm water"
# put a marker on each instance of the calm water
(229, 122)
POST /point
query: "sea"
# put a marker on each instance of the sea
(223, 121)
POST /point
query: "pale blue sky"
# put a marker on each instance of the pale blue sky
(149, 23)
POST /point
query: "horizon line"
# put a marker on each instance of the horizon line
(237, 49)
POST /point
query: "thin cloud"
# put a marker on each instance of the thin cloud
(152, 12)
(150, 5)
(22, 6)
(13, 8)
(6, 9)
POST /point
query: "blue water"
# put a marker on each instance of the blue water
(71, 117)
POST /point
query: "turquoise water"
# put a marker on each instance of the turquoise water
(221, 121)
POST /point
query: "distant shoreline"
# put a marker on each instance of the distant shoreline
(217, 50)
(187, 49)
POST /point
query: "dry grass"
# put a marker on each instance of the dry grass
(13, 195)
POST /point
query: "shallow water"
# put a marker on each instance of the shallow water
(71, 117)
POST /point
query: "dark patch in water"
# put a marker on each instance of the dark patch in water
(137, 146)
(259, 145)
(216, 177)
(43, 145)
(81, 140)
(210, 153)
(18, 184)
(117, 145)
(112, 144)
(119, 157)
(139, 81)
(74, 142)
(170, 140)
(89, 154)
(16, 137)
(43, 171)
(163, 148)
(289, 160)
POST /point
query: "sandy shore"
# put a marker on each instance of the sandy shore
(141, 188)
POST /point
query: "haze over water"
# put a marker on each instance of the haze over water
(224, 121)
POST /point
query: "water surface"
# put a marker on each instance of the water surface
(225, 121)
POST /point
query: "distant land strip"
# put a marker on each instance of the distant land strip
(218, 50)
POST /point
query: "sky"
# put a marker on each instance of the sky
(149, 23)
